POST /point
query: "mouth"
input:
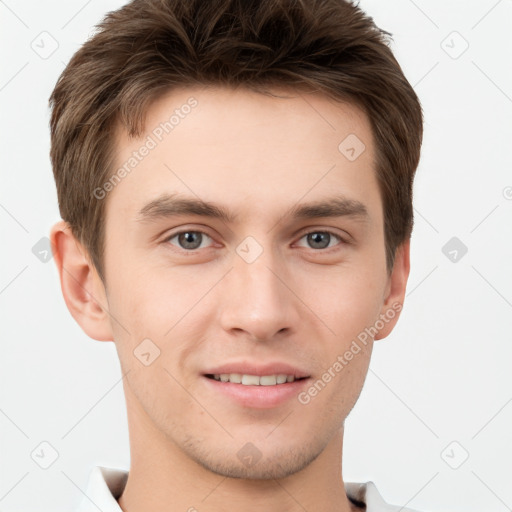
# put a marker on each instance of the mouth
(254, 380)
(261, 389)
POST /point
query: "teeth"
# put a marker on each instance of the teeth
(268, 380)
(250, 380)
(254, 380)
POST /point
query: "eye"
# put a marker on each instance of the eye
(189, 240)
(321, 239)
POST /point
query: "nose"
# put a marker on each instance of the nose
(257, 299)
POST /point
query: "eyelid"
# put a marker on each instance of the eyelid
(340, 233)
(168, 237)
(343, 239)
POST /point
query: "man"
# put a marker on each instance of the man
(235, 183)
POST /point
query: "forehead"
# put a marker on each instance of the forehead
(253, 151)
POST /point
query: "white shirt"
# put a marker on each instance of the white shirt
(107, 484)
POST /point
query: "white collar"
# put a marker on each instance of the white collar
(105, 485)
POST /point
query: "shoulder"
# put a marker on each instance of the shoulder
(366, 494)
(104, 486)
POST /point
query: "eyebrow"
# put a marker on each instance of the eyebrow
(173, 205)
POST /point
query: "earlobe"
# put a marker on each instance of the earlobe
(81, 286)
(395, 291)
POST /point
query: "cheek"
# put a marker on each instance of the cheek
(346, 302)
(150, 299)
(166, 307)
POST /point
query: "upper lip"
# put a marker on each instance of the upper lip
(248, 368)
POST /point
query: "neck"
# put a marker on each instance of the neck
(163, 478)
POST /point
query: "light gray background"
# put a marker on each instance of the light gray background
(443, 376)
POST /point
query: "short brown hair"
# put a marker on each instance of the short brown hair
(147, 47)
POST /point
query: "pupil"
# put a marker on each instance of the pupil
(187, 239)
(316, 238)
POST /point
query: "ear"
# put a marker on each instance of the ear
(395, 290)
(82, 288)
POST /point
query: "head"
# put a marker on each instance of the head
(235, 183)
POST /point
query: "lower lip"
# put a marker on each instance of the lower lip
(258, 397)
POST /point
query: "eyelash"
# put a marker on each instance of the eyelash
(342, 241)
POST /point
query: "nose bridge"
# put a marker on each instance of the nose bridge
(257, 302)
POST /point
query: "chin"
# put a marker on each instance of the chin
(250, 463)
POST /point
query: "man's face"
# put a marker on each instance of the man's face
(255, 294)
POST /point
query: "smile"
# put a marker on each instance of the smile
(253, 380)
